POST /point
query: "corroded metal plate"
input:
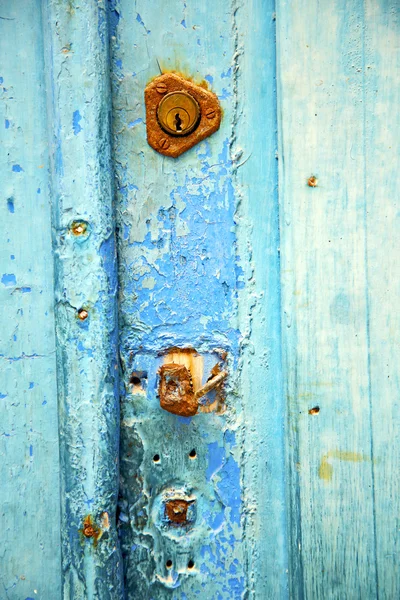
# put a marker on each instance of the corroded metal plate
(209, 121)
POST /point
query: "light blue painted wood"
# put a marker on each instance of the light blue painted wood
(85, 267)
(382, 245)
(337, 98)
(180, 267)
(30, 565)
(257, 218)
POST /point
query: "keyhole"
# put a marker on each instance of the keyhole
(178, 122)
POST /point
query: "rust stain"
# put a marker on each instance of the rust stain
(176, 511)
(325, 470)
(90, 529)
(312, 181)
(314, 411)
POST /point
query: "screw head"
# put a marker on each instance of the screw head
(161, 88)
(163, 143)
(210, 113)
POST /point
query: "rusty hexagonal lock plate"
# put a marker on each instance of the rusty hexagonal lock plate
(179, 114)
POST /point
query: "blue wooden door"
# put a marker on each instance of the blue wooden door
(269, 251)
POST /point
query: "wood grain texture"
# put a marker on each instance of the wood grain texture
(30, 564)
(254, 155)
(85, 270)
(382, 241)
(340, 299)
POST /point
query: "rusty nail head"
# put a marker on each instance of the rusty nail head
(161, 88)
(83, 314)
(163, 143)
(79, 227)
(312, 181)
(210, 113)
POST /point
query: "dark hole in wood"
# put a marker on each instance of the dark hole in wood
(193, 453)
(168, 564)
(190, 564)
(156, 458)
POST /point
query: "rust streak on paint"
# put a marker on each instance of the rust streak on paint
(90, 529)
(325, 470)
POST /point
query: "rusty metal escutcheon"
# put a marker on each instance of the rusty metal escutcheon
(179, 114)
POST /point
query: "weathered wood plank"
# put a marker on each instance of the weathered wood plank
(85, 269)
(180, 270)
(257, 218)
(381, 67)
(29, 459)
(324, 274)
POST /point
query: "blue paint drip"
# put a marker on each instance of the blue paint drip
(6, 123)
(12, 256)
(30, 450)
(17, 168)
(9, 279)
(209, 78)
(25, 290)
(183, 23)
(3, 396)
(76, 118)
(31, 384)
(10, 205)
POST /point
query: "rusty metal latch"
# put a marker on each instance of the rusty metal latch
(176, 391)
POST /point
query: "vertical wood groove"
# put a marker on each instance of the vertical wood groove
(85, 267)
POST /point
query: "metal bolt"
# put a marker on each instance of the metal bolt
(163, 143)
(83, 314)
(161, 88)
(210, 113)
